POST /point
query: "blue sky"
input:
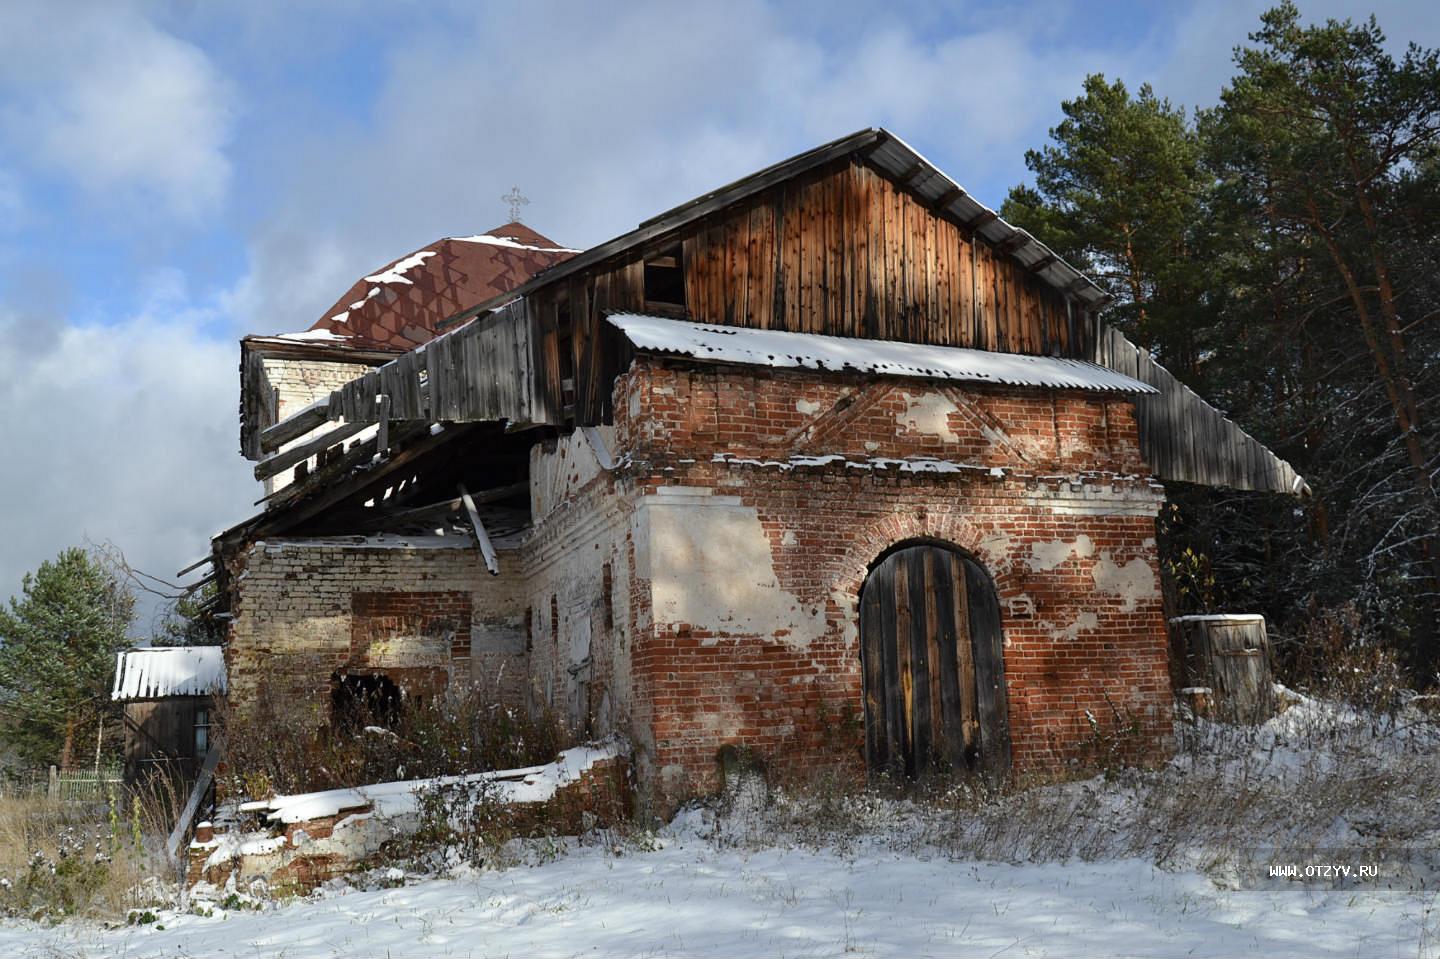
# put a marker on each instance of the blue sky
(173, 175)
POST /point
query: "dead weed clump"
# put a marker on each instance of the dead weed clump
(465, 732)
(96, 860)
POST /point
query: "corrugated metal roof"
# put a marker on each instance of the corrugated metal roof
(816, 351)
(169, 671)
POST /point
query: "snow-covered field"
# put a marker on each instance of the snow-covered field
(831, 875)
(690, 898)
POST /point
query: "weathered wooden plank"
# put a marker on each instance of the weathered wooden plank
(965, 654)
(872, 663)
(482, 538)
(947, 635)
(989, 653)
(922, 735)
(903, 667)
(884, 586)
(293, 427)
(936, 569)
(285, 459)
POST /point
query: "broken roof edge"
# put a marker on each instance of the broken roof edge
(711, 343)
(867, 142)
(340, 350)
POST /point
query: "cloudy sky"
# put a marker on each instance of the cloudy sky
(174, 175)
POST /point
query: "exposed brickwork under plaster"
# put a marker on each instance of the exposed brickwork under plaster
(755, 568)
(305, 610)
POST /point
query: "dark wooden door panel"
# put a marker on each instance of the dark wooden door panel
(932, 665)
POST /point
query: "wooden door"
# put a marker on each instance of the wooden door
(933, 665)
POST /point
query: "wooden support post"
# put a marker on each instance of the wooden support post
(482, 539)
(382, 412)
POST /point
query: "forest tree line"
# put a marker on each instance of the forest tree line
(1278, 252)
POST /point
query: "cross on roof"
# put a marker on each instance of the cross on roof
(516, 199)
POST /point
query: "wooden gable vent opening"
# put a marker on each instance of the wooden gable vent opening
(932, 662)
(665, 281)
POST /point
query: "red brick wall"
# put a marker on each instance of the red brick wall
(1064, 524)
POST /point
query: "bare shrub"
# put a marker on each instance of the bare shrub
(1340, 658)
(281, 749)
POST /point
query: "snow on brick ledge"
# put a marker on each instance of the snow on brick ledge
(313, 836)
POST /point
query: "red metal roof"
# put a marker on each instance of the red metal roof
(402, 305)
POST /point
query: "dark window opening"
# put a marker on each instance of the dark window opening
(607, 586)
(555, 620)
(665, 279)
(529, 628)
(202, 732)
(357, 701)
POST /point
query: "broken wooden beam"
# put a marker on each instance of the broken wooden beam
(382, 414)
(482, 539)
(295, 426)
(267, 468)
(480, 498)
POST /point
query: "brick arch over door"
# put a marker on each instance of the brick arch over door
(932, 663)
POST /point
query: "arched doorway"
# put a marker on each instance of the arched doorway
(933, 664)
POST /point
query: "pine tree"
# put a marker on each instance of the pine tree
(1118, 192)
(58, 642)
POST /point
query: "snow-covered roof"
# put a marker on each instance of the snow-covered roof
(816, 351)
(168, 671)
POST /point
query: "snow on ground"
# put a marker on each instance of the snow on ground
(771, 876)
(690, 898)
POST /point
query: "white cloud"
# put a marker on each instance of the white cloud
(123, 433)
(607, 114)
(126, 110)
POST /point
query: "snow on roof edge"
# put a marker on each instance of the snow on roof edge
(157, 672)
(818, 351)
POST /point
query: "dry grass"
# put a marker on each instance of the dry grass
(1322, 775)
(466, 732)
(59, 860)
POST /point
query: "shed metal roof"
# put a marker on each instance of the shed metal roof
(168, 671)
(817, 351)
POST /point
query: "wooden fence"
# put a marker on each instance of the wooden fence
(92, 785)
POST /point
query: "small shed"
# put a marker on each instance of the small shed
(169, 696)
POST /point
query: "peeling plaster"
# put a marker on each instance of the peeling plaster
(710, 566)
(808, 407)
(1083, 622)
(995, 547)
(929, 413)
(1047, 556)
(1132, 582)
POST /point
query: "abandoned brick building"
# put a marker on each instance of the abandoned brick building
(831, 463)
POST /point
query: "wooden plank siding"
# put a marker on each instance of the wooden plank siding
(842, 250)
